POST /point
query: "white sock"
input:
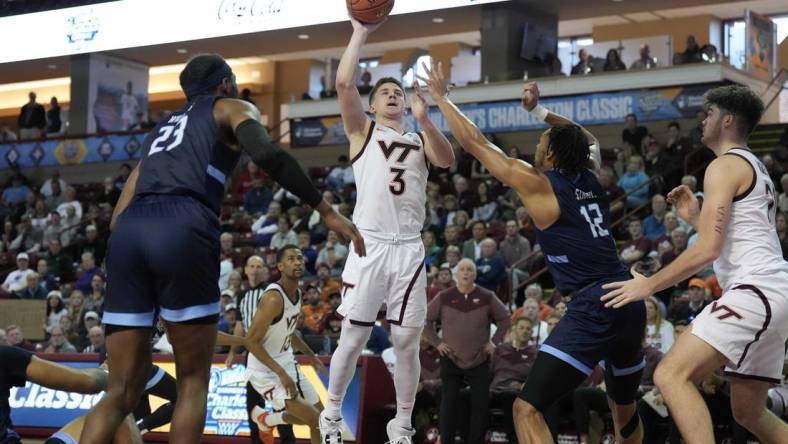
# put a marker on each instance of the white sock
(272, 420)
(406, 371)
(352, 341)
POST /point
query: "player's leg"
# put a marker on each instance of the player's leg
(304, 413)
(193, 344)
(407, 371)
(689, 360)
(166, 388)
(127, 433)
(253, 400)
(60, 377)
(748, 402)
(352, 341)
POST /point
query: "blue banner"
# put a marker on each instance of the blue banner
(71, 151)
(509, 116)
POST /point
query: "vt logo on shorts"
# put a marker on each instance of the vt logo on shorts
(728, 311)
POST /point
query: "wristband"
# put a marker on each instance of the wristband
(539, 112)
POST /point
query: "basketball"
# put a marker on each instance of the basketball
(370, 11)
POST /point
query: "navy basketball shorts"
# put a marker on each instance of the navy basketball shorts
(162, 258)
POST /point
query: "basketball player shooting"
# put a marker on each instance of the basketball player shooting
(390, 168)
(747, 327)
(571, 214)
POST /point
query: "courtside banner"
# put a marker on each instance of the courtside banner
(36, 406)
(509, 116)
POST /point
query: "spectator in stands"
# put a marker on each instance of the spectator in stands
(246, 180)
(774, 169)
(511, 365)
(534, 291)
(366, 83)
(433, 253)
(97, 341)
(663, 243)
(464, 225)
(93, 244)
(451, 237)
(120, 180)
(554, 318)
(659, 332)
(583, 66)
(54, 123)
(138, 123)
(678, 237)
(109, 192)
(16, 338)
(645, 61)
(32, 119)
(309, 252)
(91, 319)
(6, 135)
(227, 322)
(58, 342)
(33, 289)
(77, 308)
(227, 251)
(86, 271)
(654, 224)
(46, 188)
(691, 182)
(782, 199)
(333, 254)
(491, 269)
(55, 229)
(95, 299)
(315, 311)
(633, 134)
(471, 248)
(692, 53)
(40, 217)
(59, 262)
(638, 246)
(782, 232)
(56, 198)
(70, 199)
(607, 179)
(696, 133)
(16, 193)
(486, 208)
(285, 236)
(635, 183)
(56, 309)
(441, 282)
(341, 175)
(465, 198)
(48, 281)
(661, 163)
(465, 313)
(267, 225)
(515, 249)
(17, 279)
(676, 144)
(257, 199)
(686, 310)
(28, 239)
(530, 310)
(325, 283)
(613, 61)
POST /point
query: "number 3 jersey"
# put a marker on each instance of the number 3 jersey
(578, 247)
(277, 339)
(183, 155)
(391, 179)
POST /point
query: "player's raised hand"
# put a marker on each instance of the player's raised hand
(530, 96)
(344, 228)
(418, 104)
(624, 292)
(366, 28)
(686, 203)
(436, 82)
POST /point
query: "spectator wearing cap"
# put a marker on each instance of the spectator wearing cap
(97, 340)
(315, 311)
(659, 331)
(93, 244)
(267, 225)
(59, 261)
(687, 309)
(654, 224)
(17, 279)
(58, 342)
(85, 273)
(441, 282)
(465, 313)
(33, 289)
(56, 309)
(95, 298)
(229, 318)
(333, 254)
(91, 319)
(638, 246)
(678, 238)
(16, 338)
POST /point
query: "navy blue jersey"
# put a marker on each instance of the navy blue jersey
(578, 247)
(184, 156)
(13, 373)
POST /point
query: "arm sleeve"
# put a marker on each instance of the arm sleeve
(275, 161)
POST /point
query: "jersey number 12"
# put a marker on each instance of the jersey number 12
(593, 216)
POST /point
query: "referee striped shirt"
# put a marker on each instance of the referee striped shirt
(247, 304)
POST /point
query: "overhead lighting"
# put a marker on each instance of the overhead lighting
(617, 1)
(303, 36)
(51, 66)
(438, 20)
(181, 51)
(584, 42)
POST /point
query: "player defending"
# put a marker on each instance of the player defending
(748, 326)
(164, 249)
(272, 368)
(390, 167)
(570, 211)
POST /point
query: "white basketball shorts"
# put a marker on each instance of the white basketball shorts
(270, 387)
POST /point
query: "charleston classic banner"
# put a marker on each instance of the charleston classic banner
(71, 151)
(508, 116)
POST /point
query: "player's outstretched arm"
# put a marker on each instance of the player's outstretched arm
(353, 117)
(436, 146)
(530, 101)
(60, 377)
(228, 340)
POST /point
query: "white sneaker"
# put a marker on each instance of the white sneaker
(330, 430)
(399, 435)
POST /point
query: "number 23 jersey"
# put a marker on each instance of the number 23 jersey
(579, 248)
(391, 179)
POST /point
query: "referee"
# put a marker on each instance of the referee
(247, 304)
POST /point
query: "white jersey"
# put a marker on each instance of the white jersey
(751, 246)
(277, 339)
(391, 179)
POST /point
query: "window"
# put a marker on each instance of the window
(416, 69)
(735, 40)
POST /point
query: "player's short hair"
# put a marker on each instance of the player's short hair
(380, 83)
(569, 146)
(203, 73)
(739, 101)
(281, 253)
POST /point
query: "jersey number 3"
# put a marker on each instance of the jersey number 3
(593, 216)
(397, 185)
(169, 133)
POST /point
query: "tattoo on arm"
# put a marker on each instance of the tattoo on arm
(719, 219)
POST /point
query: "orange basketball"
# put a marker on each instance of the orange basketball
(370, 11)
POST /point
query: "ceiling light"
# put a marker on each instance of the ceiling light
(438, 20)
(52, 66)
(181, 51)
(303, 36)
